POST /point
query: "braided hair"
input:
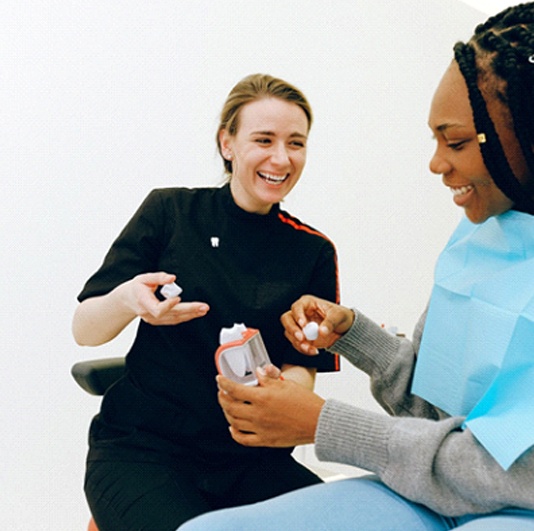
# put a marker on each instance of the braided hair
(499, 58)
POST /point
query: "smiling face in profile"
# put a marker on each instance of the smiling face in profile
(458, 157)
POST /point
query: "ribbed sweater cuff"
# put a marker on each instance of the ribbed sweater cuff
(352, 436)
(366, 345)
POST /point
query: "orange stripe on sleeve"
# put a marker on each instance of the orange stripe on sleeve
(301, 226)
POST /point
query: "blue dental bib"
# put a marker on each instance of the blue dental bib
(477, 352)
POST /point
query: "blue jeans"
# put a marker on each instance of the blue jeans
(363, 504)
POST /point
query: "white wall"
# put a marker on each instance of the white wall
(490, 7)
(102, 101)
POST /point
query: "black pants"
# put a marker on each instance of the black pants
(135, 496)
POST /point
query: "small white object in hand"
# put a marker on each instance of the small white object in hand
(311, 331)
(171, 290)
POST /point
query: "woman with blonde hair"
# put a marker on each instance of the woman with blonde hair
(160, 451)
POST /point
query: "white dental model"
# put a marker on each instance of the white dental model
(227, 335)
(311, 331)
(241, 351)
(171, 290)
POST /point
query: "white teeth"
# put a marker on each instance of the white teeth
(273, 179)
(461, 191)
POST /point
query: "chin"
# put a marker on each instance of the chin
(274, 196)
(479, 217)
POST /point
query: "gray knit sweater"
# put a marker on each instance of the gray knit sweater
(417, 450)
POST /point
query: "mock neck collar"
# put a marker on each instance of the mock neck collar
(236, 211)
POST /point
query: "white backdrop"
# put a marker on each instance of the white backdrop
(102, 101)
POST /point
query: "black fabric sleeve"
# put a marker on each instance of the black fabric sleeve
(136, 249)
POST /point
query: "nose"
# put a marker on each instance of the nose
(279, 154)
(438, 164)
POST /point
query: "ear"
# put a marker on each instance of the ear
(226, 142)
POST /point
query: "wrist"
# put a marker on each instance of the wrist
(317, 409)
(348, 320)
(122, 300)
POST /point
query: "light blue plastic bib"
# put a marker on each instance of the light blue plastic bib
(477, 353)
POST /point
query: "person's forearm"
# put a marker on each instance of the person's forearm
(99, 319)
(434, 463)
(304, 376)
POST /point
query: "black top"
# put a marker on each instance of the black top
(249, 268)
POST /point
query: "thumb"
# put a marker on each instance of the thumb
(268, 372)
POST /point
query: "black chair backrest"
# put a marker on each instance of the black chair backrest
(97, 376)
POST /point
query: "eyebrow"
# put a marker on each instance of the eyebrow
(270, 133)
(445, 126)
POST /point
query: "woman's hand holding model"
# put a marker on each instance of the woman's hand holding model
(292, 412)
(100, 319)
(141, 298)
(334, 320)
(290, 419)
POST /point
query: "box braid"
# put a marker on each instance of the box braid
(507, 40)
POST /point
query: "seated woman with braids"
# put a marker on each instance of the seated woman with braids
(456, 448)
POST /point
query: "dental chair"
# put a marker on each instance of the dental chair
(95, 377)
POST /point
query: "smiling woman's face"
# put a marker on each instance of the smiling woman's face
(268, 152)
(457, 157)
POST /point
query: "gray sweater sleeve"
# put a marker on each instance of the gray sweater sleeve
(416, 450)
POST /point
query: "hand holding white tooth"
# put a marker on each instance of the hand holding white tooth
(311, 331)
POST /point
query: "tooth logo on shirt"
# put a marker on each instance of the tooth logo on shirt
(214, 241)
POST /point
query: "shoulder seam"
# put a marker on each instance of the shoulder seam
(298, 225)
